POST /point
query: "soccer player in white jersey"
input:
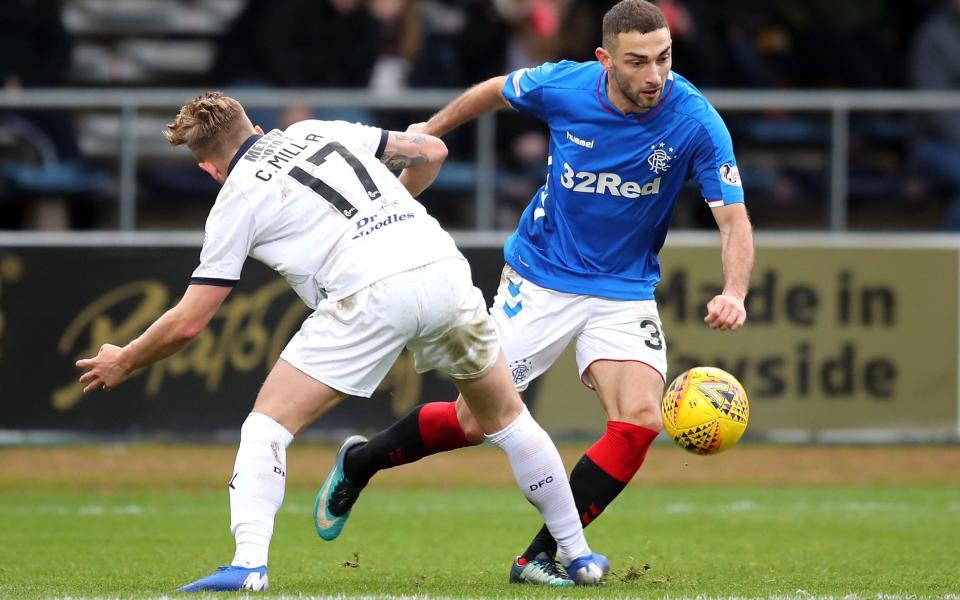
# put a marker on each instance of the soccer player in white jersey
(317, 203)
(626, 132)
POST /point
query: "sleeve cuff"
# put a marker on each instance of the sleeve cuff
(384, 134)
(213, 281)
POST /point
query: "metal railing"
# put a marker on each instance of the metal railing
(130, 103)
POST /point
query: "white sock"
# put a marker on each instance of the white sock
(539, 472)
(257, 486)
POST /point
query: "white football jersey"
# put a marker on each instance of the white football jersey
(315, 203)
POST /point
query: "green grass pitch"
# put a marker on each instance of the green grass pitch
(677, 541)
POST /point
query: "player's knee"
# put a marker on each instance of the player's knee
(654, 421)
(644, 415)
(649, 420)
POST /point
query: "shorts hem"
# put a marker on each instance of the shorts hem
(345, 389)
(642, 362)
(479, 373)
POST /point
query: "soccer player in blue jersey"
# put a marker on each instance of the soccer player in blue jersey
(626, 133)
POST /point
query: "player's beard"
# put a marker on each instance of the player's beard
(635, 95)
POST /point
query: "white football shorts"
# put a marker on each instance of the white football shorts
(433, 310)
(536, 324)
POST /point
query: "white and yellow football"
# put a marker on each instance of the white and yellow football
(705, 410)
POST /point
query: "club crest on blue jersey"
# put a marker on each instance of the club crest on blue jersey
(659, 159)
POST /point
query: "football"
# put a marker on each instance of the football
(705, 410)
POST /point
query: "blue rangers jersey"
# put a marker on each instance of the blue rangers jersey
(601, 217)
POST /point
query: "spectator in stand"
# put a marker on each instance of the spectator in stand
(35, 52)
(462, 39)
(321, 43)
(246, 59)
(935, 65)
(862, 33)
(299, 44)
(399, 46)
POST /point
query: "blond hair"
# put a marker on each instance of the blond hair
(211, 125)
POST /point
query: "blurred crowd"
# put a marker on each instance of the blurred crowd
(391, 45)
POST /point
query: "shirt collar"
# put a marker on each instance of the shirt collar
(243, 150)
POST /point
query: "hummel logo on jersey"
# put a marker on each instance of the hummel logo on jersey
(578, 141)
(606, 183)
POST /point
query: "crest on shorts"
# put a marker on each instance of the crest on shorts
(520, 370)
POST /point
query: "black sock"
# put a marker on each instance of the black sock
(401, 443)
(593, 489)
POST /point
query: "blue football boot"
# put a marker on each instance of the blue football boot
(230, 579)
(589, 569)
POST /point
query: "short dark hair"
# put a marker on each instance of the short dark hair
(631, 15)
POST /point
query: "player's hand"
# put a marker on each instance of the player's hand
(725, 312)
(418, 128)
(104, 370)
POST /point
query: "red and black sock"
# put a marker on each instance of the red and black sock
(600, 475)
(427, 429)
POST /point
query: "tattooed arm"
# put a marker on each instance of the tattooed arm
(418, 155)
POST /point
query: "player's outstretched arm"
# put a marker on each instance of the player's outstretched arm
(168, 334)
(480, 99)
(418, 155)
(726, 311)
